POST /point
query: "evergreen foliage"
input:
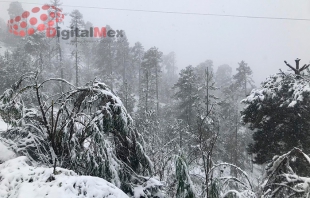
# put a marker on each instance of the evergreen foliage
(184, 183)
(278, 112)
(86, 129)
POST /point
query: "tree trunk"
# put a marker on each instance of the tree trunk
(157, 98)
(76, 60)
(147, 90)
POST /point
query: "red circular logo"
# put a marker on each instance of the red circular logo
(38, 19)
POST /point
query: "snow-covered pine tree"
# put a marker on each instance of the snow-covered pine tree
(185, 188)
(196, 102)
(279, 113)
(227, 186)
(149, 94)
(243, 79)
(186, 94)
(206, 129)
(232, 132)
(239, 87)
(86, 129)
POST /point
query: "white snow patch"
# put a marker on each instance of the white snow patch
(3, 125)
(293, 103)
(19, 180)
(5, 153)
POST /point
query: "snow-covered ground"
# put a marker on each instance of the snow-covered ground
(20, 180)
(256, 175)
(3, 125)
(5, 153)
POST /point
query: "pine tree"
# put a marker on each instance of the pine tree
(243, 80)
(15, 64)
(196, 104)
(240, 86)
(105, 62)
(278, 112)
(77, 23)
(186, 94)
(227, 112)
(149, 96)
(122, 57)
(203, 66)
(207, 128)
(127, 95)
(55, 6)
(223, 76)
(88, 56)
(15, 9)
(137, 52)
(169, 77)
(185, 187)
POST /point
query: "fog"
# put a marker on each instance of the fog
(86, 102)
(263, 43)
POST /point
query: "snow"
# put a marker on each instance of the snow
(139, 190)
(3, 125)
(6, 154)
(296, 88)
(293, 103)
(244, 194)
(279, 173)
(20, 180)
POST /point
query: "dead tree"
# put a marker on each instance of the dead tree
(297, 70)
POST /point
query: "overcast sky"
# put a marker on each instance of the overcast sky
(263, 43)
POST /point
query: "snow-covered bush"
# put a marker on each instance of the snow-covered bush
(224, 185)
(20, 180)
(185, 188)
(281, 180)
(85, 129)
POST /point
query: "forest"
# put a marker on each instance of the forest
(98, 117)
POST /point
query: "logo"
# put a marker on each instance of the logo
(46, 18)
(39, 19)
